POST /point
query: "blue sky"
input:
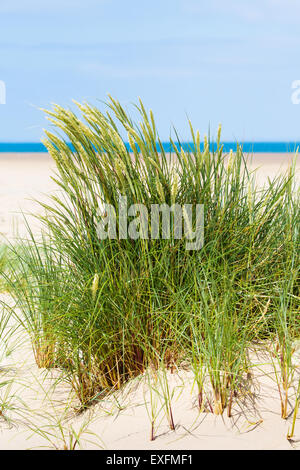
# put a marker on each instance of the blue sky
(222, 61)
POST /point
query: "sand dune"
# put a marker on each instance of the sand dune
(41, 401)
(43, 415)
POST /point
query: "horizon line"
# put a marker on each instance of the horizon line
(247, 146)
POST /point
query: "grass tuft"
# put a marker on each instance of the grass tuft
(106, 311)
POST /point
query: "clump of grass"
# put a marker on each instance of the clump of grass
(219, 332)
(152, 409)
(3, 256)
(106, 310)
(291, 431)
(285, 299)
(8, 397)
(5, 262)
(31, 282)
(59, 434)
(160, 397)
(286, 322)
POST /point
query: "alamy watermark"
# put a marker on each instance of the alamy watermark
(2, 92)
(161, 222)
(295, 96)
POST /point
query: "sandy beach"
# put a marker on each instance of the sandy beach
(149, 228)
(40, 400)
(23, 178)
(43, 415)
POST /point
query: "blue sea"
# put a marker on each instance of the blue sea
(248, 147)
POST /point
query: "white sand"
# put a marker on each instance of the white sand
(39, 399)
(23, 177)
(121, 421)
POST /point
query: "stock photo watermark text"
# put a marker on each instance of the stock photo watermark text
(2, 92)
(161, 222)
(295, 96)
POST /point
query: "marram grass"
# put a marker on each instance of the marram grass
(106, 311)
